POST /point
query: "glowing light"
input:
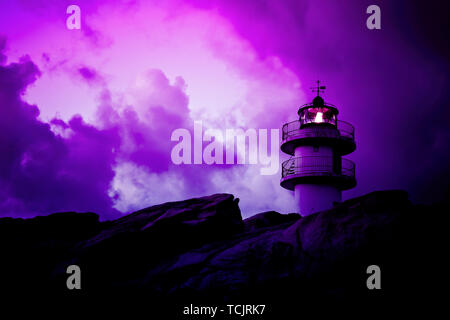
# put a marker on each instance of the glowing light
(319, 117)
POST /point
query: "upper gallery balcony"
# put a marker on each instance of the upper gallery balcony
(338, 133)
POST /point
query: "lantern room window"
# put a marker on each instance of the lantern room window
(318, 115)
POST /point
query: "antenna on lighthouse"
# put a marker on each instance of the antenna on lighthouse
(319, 89)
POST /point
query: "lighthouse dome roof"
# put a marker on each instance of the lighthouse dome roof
(318, 101)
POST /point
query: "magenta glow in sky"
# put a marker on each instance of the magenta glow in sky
(86, 117)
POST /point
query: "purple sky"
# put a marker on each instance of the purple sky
(86, 115)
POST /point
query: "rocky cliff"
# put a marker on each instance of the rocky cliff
(202, 250)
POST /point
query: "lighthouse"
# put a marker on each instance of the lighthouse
(316, 142)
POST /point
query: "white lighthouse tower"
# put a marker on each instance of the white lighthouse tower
(316, 172)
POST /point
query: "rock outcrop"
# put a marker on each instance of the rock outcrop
(201, 250)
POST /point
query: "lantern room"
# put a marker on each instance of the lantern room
(318, 112)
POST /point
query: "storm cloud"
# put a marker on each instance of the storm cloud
(86, 118)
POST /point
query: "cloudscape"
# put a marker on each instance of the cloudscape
(86, 115)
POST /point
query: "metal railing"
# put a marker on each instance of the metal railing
(292, 129)
(311, 105)
(318, 165)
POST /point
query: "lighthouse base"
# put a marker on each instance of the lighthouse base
(311, 198)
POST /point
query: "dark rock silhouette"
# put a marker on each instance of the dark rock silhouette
(201, 250)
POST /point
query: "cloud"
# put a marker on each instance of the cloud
(2, 49)
(390, 84)
(40, 171)
(71, 166)
(228, 63)
(90, 75)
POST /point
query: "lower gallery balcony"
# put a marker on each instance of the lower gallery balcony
(318, 170)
